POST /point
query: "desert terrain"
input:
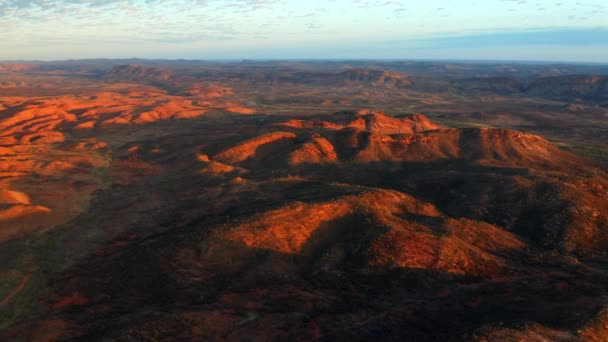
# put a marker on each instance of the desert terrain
(308, 200)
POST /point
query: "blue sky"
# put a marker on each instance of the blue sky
(558, 30)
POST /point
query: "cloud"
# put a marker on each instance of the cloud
(565, 37)
(248, 24)
(28, 8)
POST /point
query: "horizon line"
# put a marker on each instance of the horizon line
(244, 59)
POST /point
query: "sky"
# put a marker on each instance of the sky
(543, 30)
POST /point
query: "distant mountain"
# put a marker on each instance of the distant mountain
(375, 77)
(571, 88)
(16, 67)
(497, 85)
(137, 73)
(587, 88)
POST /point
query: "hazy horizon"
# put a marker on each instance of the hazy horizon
(310, 60)
(498, 30)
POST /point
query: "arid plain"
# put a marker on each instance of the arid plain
(154, 200)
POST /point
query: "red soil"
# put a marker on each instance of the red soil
(465, 247)
(248, 149)
(318, 150)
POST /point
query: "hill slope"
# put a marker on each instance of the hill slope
(355, 225)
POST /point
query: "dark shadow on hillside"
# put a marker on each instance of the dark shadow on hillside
(461, 188)
(137, 286)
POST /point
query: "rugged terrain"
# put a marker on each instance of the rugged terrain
(230, 202)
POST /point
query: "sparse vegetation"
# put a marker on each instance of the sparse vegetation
(176, 213)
